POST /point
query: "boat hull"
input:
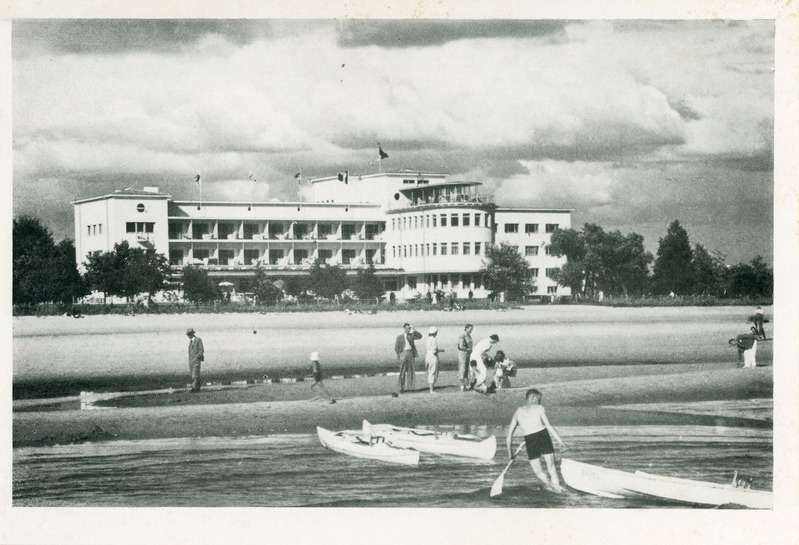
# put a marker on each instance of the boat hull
(434, 443)
(613, 483)
(351, 444)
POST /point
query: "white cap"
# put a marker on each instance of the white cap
(433, 329)
(314, 356)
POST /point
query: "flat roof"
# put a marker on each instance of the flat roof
(401, 173)
(514, 209)
(279, 203)
(126, 193)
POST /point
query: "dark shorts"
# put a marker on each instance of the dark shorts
(317, 377)
(538, 443)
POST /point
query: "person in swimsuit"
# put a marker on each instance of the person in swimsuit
(538, 434)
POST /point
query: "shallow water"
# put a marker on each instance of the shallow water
(296, 470)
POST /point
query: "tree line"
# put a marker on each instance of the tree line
(597, 262)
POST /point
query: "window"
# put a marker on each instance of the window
(443, 220)
(226, 257)
(89, 230)
(454, 248)
(412, 282)
(535, 272)
(347, 256)
(435, 219)
(530, 250)
(453, 220)
(530, 228)
(467, 247)
(427, 249)
(477, 220)
(550, 227)
(393, 252)
(443, 248)
(548, 250)
(476, 248)
(467, 219)
(393, 224)
(325, 255)
(552, 289)
(130, 227)
(176, 257)
(416, 250)
(139, 227)
(300, 256)
(415, 222)
(100, 229)
(511, 227)
(275, 256)
(551, 271)
(251, 257)
(435, 247)
(201, 254)
(427, 218)
(404, 251)
(488, 221)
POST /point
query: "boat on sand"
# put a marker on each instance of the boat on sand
(466, 445)
(613, 483)
(354, 443)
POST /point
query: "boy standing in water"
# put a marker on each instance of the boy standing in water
(316, 369)
(533, 421)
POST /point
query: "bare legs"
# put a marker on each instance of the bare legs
(553, 472)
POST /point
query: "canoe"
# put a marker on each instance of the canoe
(613, 483)
(353, 443)
(702, 492)
(465, 445)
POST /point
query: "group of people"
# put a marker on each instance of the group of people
(474, 361)
(746, 343)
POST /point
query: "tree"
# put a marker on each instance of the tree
(127, 271)
(198, 286)
(709, 272)
(266, 293)
(327, 281)
(673, 272)
(42, 271)
(505, 269)
(613, 263)
(367, 285)
(755, 279)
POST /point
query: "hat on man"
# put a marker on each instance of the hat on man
(190, 331)
(314, 356)
(494, 338)
(432, 330)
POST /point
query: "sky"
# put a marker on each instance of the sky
(632, 124)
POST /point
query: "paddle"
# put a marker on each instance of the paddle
(496, 488)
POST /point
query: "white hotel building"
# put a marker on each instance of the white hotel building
(422, 232)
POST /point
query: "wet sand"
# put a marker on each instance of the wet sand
(596, 395)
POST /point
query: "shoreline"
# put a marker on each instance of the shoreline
(594, 396)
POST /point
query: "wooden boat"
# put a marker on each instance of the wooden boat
(612, 483)
(466, 445)
(354, 443)
(702, 492)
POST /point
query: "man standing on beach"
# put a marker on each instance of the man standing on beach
(465, 345)
(196, 357)
(478, 359)
(538, 434)
(405, 349)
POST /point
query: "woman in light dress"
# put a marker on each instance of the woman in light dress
(431, 357)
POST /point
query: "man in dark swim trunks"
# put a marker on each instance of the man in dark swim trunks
(533, 421)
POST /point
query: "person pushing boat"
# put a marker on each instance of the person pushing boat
(538, 433)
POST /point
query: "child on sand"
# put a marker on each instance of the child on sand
(431, 357)
(503, 370)
(533, 421)
(316, 369)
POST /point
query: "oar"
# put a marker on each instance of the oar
(496, 488)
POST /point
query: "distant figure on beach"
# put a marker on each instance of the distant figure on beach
(196, 357)
(479, 360)
(431, 357)
(405, 349)
(318, 379)
(538, 434)
(465, 344)
(392, 298)
(758, 319)
(747, 347)
(504, 368)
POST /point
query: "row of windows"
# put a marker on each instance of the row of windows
(275, 257)
(96, 229)
(533, 250)
(435, 248)
(139, 227)
(530, 228)
(436, 220)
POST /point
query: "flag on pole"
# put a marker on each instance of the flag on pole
(197, 179)
(344, 177)
(298, 177)
(252, 178)
(381, 153)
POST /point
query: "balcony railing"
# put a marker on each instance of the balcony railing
(477, 198)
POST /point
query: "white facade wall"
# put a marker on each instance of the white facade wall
(384, 189)
(528, 242)
(101, 223)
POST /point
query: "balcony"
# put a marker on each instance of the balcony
(450, 200)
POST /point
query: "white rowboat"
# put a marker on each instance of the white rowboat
(469, 446)
(355, 444)
(612, 483)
